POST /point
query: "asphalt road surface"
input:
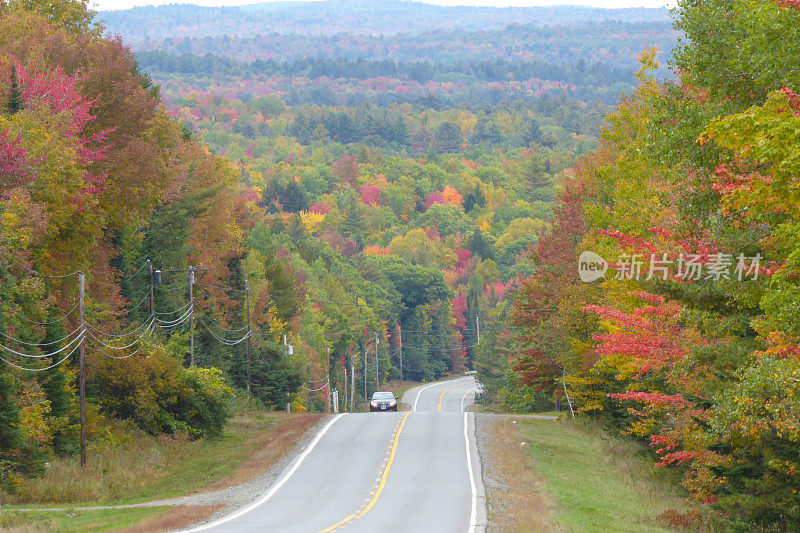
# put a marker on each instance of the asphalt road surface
(412, 471)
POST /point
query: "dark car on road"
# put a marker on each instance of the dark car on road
(383, 401)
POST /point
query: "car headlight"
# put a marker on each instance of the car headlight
(374, 404)
(392, 403)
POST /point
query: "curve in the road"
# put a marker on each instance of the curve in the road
(441, 397)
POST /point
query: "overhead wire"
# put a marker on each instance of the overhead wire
(49, 323)
(137, 350)
(118, 335)
(177, 321)
(19, 341)
(226, 342)
(36, 273)
(40, 369)
(146, 331)
(313, 390)
(230, 330)
(116, 283)
(138, 305)
(32, 356)
(180, 310)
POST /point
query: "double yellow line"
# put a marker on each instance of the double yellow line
(441, 398)
(381, 484)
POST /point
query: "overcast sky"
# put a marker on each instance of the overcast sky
(124, 4)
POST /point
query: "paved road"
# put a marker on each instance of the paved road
(412, 471)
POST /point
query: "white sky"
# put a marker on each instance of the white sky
(125, 4)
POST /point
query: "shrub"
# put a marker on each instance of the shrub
(159, 395)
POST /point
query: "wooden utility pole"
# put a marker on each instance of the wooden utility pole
(400, 342)
(82, 370)
(352, 382)
(152, 300)
(377, 375)
(190, 279)
(328, 382)
(478, 327)
(365, 375)
(344, 373)
(249, 336)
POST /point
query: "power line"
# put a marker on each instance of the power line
(50, 323)
(41, 369)
(226, 342)
(147, 331)
(117, 335)
(32, 356)
(18, 341)
(180, 310)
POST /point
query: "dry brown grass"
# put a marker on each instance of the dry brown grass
(129, 466)
(118, 463)
(177, 517)
(521, 504)
(268, 447)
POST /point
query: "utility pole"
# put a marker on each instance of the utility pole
(478, 327)
(400, 341)
(190, 279)
(328, 382)
(352, 382)
(344, 373)
(377, 375)
(82, 370)
(365, 375)
(249, 335)
(152, 300)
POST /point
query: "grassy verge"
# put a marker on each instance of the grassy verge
(76, 521)
(579, 478)
(133, 467)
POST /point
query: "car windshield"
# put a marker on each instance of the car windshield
(383, 396)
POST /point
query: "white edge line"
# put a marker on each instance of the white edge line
(473, 514)
(419, 393)
(274, 488)
(448, 382)
(464, 398)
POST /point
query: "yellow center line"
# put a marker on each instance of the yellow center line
(441, 398)
(382, 484)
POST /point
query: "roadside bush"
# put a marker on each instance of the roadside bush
(159, 395)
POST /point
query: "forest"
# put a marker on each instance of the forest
(191, 244)
(348, 19)
(689, 343)
(373, 207)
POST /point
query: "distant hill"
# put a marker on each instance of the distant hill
(361, 17)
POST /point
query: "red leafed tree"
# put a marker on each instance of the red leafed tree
(58, 93)
(463, 258)
(458, 306)
(536, 307)
(371, 195)
(347, 167)
(320, 208)
(458, 354)
(650, 336)
(15, 168)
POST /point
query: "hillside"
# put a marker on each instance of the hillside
(359, 17)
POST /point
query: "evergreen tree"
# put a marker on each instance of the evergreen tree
(14, 102)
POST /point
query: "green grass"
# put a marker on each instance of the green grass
(208, 462)
(73, 521)
(601, 483)
(133, 468)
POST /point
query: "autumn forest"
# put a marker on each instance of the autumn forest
(209, 204)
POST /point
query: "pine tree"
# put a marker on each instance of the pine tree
(14, 102)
